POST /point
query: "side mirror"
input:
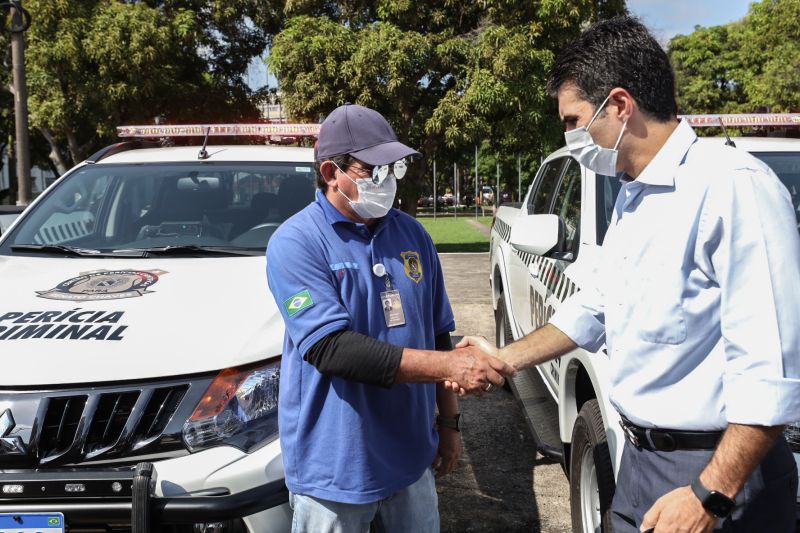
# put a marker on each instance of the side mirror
(538, 234)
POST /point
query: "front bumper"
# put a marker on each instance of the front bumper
(98, 503)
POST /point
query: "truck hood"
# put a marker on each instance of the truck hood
(89, 320)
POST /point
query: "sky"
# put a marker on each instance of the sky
(667, 18)
(664, 18)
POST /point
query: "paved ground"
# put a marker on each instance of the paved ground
(501, 484)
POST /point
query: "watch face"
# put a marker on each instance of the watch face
(719, 504)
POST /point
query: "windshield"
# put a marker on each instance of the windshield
(787, 166)
(142, 206)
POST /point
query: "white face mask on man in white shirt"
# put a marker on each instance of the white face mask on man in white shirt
(588, 153)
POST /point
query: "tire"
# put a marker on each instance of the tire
(591, 479)
(502, 328)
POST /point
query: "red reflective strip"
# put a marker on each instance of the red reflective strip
(199, 130)
(751, 119)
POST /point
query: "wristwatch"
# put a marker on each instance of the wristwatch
(715, 502)
(448, 421)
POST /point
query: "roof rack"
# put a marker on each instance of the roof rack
(224, 130)
(742, 120)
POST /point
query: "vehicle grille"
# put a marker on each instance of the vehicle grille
(76, 426)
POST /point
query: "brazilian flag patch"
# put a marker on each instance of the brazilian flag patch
(298, 302)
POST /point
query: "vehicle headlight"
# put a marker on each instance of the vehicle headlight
(240, 408)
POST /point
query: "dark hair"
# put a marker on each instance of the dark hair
(618, 52)
(341, 161)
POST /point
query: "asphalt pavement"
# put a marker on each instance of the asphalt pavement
(501, 484)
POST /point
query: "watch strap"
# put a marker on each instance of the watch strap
(451, 422)
(705, 495)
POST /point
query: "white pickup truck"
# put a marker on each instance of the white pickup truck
(141, 348)
(534, 267)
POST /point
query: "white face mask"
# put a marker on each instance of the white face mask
(374, 200)
(582, 147)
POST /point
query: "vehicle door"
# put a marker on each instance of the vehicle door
(540, 201)
(549, 286)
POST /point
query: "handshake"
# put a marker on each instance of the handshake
(475, 368)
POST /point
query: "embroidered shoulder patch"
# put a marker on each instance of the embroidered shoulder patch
(298, 302)
(412, 265)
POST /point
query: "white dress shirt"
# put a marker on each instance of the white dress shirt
(697, 294)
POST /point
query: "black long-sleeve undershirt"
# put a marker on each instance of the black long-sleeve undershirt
(360, 358)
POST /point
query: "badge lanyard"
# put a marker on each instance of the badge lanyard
(390, 299)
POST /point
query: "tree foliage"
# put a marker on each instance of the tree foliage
(95, 64)
(447, 74)
(743, 66)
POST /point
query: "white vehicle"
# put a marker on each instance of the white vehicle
(535, 265)
(136, 328)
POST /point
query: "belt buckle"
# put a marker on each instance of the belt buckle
(629, 434)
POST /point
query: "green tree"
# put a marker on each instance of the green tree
(95, 64)
(771, 55)
(743, 66)
(709, 74)
(448, 75)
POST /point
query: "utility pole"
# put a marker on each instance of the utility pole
(435, 198)
(476, 182)
(20, 21)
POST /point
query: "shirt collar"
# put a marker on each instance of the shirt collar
(661, 169)
(333, 215)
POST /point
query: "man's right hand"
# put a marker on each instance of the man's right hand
(474, 371)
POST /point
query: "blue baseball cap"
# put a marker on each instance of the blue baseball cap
(362, 133)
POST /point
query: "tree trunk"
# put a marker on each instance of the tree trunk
(55, 154)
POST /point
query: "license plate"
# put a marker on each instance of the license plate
(31, 523)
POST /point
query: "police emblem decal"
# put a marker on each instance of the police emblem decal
(298, 302)
(412, 265)
(104, 285)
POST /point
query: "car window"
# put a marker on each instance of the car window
(568, 206)
(607, 188)
(111, 207)
(541, 200)
(787, 167)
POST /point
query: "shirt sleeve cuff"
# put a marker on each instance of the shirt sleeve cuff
(324, 331)
(761, 401)
(580, 325)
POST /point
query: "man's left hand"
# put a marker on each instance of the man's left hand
(449, 452)
(678, 511)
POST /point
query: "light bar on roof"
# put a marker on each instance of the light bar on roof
(199, 130)
(746, 119)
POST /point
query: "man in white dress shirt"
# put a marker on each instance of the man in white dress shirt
(697, 299)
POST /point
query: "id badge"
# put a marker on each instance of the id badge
(392, 308)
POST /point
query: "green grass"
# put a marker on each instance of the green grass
(456, 234)
(486, 221)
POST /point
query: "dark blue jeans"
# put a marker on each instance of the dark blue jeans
(766, 503)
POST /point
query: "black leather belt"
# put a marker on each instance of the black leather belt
(668, 440)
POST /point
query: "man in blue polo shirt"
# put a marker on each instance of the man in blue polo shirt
(368, 322)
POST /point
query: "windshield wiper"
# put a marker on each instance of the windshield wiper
(58, 249)
(202, 251)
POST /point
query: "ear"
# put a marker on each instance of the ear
(328, 171)
(621, 104)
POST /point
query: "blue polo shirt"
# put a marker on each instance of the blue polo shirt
(342, 440)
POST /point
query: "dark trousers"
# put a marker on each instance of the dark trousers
(766, 503)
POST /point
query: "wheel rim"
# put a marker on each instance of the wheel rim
(590, 493)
